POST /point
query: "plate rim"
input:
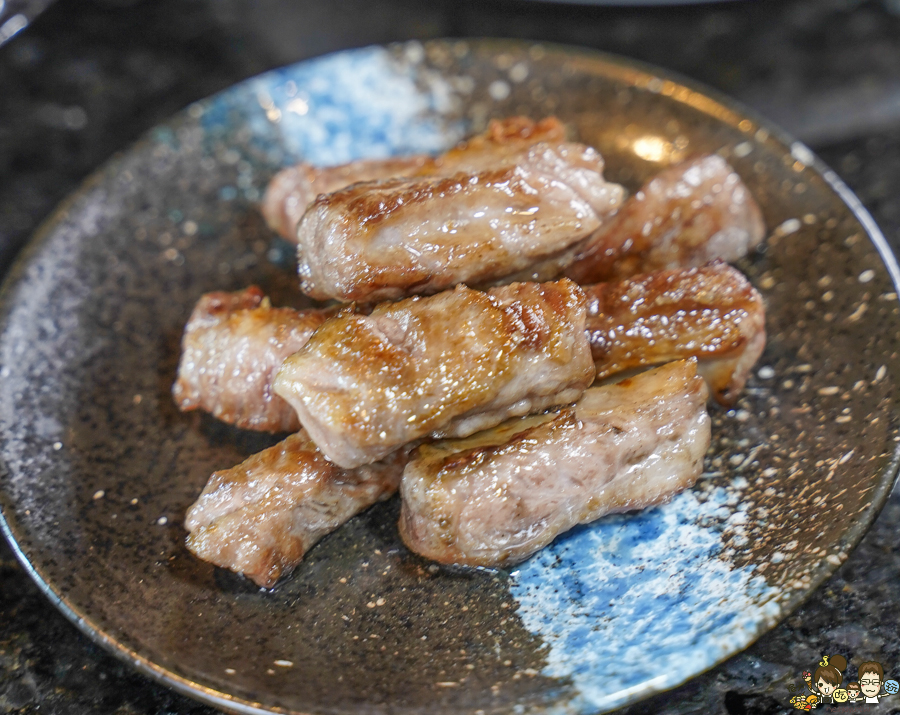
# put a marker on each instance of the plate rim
(629, 70)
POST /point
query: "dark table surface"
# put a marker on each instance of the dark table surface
(89, 76)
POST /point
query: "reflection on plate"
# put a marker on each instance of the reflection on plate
(99, 467)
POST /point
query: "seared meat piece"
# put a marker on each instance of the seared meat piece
(499, 496)
(456, 362)
(687, 215)
(260, 517)
(292, 190)
(711, 313)
(232, 347)
(384, 240)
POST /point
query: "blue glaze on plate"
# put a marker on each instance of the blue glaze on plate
(650, 593)
(360, 104)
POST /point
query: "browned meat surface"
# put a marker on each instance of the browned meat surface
(292, 190)
(502, 139)
(232, 347)
(499, 496)
(711, 313)
(455, 362)
(687, 215)
(384, 240)
(260, 517)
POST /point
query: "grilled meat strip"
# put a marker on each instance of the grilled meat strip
(711, 313)
(232, 347)
(452, 363)
(687, 215)
(292, 190)
(384, 240)
(496, 498)
(260, 517)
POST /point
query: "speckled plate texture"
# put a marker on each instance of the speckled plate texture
(99, 467)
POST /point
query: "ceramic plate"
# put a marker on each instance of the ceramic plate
(99, 467)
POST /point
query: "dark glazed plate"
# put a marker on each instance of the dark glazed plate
(99, 467)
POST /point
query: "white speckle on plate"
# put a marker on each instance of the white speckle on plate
(298, 106)
(792, 225)
(802, 153)
(414, 52)
(518, 72)
(499, 90)
(742, 149)
(866, 276)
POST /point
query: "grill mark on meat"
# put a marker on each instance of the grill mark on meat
(369, 205)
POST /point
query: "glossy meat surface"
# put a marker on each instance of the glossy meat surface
(502, 495)
(386, 240)
(711, 313)
(292, 190)
(260, 517)
(687, 215)
(456, 362)
(233, 345)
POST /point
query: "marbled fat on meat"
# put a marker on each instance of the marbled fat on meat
(502, 495)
